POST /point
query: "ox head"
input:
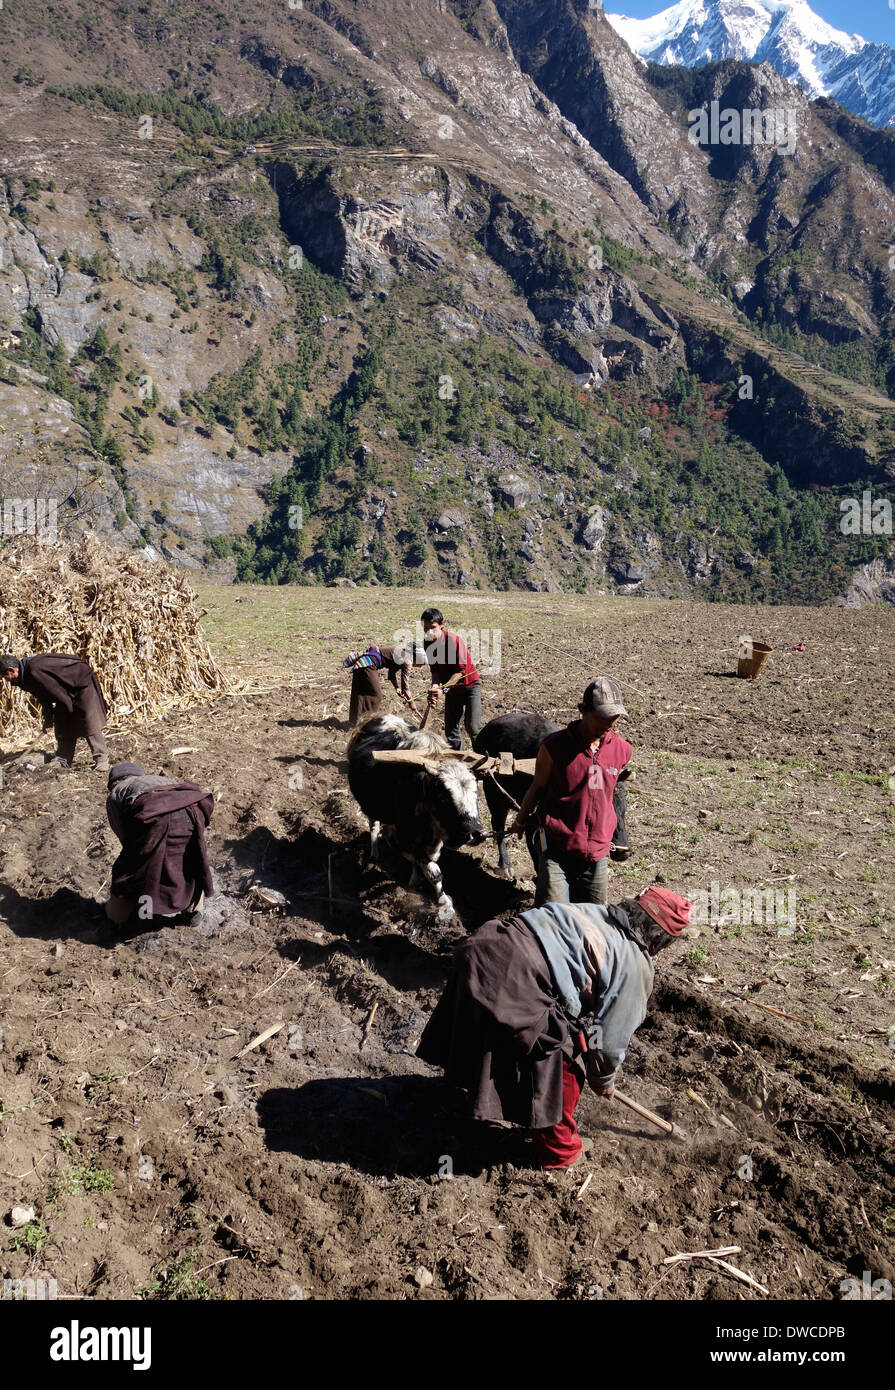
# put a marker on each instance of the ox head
(455, 805)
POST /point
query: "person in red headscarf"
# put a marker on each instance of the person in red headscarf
(539, 1003)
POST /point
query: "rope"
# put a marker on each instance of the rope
(509, 798)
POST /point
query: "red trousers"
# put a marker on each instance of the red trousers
(559, 1145)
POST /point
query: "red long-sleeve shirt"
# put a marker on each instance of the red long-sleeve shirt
(447, 655)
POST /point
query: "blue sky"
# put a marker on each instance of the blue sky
(872, 19)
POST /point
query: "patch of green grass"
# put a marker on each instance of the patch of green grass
(180, 1281)
(91, 1179)
(789, 847)
(95, 1088)
(32, 1237)
(82, 1177)
(698, 957)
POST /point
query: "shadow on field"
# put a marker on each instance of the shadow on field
(305, 760)
(67, 915)
(331, 722)
(477, 892)
(62, 914)
(313, 864)
(408, 1126)
(402, 963)
(291, 862)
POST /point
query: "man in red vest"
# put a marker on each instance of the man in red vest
(575, 776)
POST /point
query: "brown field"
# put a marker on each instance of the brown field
(160, 1162)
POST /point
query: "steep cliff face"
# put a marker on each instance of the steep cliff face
(575, 56)
(332, 275)
(800, 221)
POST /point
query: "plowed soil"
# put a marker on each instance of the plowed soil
(329, 1162)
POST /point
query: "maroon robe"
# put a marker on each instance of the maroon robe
(164, 856)
(68, 692)
(498, 1030)
(366, 687)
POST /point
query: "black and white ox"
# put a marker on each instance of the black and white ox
(416, 809)
(522, 735)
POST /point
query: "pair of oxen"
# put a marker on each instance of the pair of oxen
(416, 809)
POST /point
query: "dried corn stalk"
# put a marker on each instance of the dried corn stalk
(135, 620)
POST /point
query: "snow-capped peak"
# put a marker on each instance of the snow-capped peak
(785, 33)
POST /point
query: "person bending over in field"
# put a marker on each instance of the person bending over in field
(71, 702)
(163, 869)
(366, 686)
(539, 1002)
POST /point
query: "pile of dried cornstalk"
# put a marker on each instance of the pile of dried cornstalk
(135, 620)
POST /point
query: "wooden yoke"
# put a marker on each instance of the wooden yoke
(502, 765)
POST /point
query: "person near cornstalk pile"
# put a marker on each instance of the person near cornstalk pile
(451, 666)
(162, 870)
(71, 702)
(538, 1003)
(366, 687)
(575, 776)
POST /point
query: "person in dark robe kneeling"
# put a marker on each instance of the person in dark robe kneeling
(539, 1003)
(162, 870)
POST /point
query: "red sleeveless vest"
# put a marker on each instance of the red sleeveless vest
(576, 809)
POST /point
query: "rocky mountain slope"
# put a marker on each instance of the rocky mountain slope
(437, 292)
(798, 44)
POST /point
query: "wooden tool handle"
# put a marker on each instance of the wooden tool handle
(649, 1115)
(447, 685)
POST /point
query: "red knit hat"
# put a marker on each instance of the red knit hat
(669, 910)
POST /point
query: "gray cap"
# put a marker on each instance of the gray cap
(604, 696)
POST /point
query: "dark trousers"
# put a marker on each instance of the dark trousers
(65, 747)
(462, 706)
(559, 1145)
(565, 878)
